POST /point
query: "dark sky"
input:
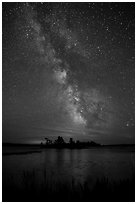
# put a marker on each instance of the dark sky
(68, 70)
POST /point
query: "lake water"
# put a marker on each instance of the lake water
(115, 163)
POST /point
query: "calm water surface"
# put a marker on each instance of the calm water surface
(66, 164)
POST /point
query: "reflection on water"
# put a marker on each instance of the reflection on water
(65, 164)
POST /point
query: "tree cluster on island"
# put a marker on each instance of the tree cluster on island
(60, 143)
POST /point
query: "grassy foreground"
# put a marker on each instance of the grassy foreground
(51, 190)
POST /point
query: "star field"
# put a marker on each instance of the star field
(69, 70)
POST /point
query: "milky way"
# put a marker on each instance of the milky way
(68, 69)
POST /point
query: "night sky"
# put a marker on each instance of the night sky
(68, 70)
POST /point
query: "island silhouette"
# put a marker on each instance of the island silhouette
(60, 143)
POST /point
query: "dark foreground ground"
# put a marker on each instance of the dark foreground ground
(50, 190)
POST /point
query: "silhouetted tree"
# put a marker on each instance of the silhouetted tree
(77, 142)
(48, 141)
(60, 140)
(71, 141)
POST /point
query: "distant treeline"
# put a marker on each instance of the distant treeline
(59, 142)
